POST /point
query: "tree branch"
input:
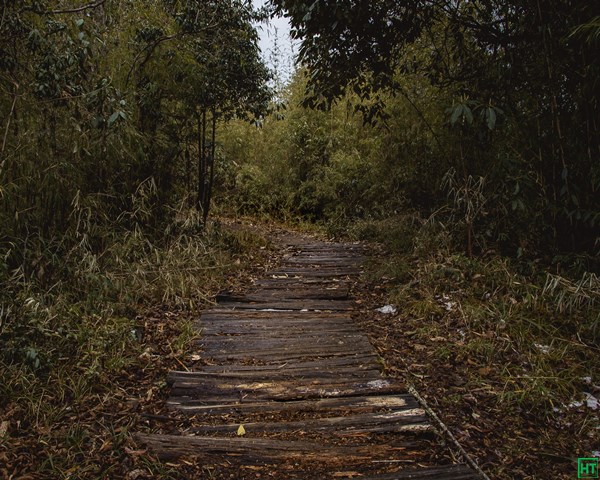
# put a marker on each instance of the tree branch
(150, 48)
(66, 10)
(12, 109)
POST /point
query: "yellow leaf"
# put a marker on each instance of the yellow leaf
(241, 431)
(3, 430)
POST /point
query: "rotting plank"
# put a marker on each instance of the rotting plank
(316, 272)
(272, 338)
(368, 373)
(217, 343)
(282, 391)
(446, 472)
(360, 361)
(404, 420)
(342, 404)
(265, 450)
(268, 295)
(283, 304)
(274, 316)
(253, 330)
(277, 355)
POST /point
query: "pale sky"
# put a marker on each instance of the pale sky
(278, 30)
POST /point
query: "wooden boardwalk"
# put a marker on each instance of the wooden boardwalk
(287, 361)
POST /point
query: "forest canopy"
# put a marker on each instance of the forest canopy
(520, 91)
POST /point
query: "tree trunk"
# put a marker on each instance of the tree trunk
(201, 161)
(211, 167)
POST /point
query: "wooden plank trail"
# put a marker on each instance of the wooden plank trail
(288, 362)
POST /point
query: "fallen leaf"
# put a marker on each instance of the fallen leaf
(136, 474)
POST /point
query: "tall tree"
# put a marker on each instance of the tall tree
(481, 52)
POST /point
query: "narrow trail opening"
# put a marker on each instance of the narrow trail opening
(286, 361)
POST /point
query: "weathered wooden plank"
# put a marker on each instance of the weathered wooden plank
(275, 285)
(274, 316)
(280, 355)
(215, 384)
(223, 344)
(306, 321)
(299, 375)
(445, 472)
(265, 327)
(355, 360)
(278, 337)
(250, 330)
(326, 347)
(316, 273)
(321, 405)
(275, 323)
(266, 294)
(266, 450)
(331, 270)
(283, 304)
(323, 261)
(282, 390)
(282, 281)
(406, 420)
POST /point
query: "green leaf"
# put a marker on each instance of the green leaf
(455, 114)
(79, 22)
(468, 114)
(490, 117)
(113, 118)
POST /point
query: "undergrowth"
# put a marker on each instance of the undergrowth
(505, 350)
(88, 332)
(538, 330)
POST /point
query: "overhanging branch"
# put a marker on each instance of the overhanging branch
(75, 10)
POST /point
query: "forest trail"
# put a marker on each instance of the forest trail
(287, 361)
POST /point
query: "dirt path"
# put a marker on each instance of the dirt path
(286, 361)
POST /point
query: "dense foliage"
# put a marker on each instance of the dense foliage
(109, 112)
(104, 107)
(519, 81)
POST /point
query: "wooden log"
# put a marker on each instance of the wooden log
(356, 360)
(283, 304)
(331, 375)
(262, 330)
(224, 314)
(213, 392)
(403, 420)
(266, 450)
(286, 293)
(445, 472)
(300, 343)
(323, 405)
(315, 272)
(280, 355)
